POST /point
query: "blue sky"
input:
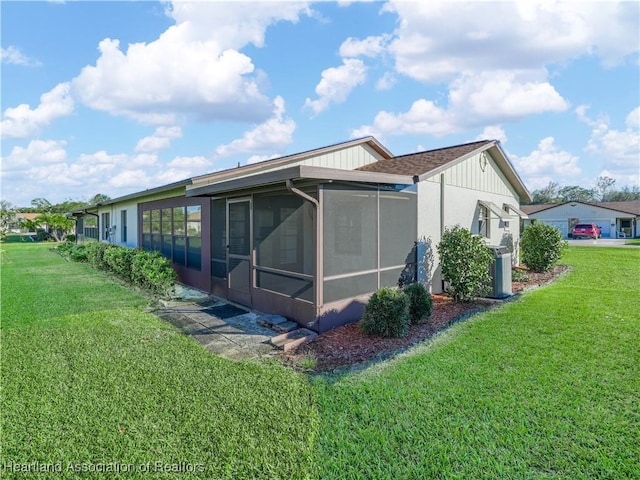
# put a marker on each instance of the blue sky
(117, 97)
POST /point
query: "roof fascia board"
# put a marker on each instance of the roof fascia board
(298, 172)
(215, 177)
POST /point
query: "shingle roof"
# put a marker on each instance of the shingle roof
(422, 162)
(632, 207)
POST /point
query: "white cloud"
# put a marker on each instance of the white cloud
(190, 163)
(23, 121)
(13, 56)
(434, 42)
(194, 68)
(369, 47)
(618, 149)
(271, 135)
(38, 152)
(160, 140)
(336, 84)
(129, 178)
(474, 101)
(547, 163)
(493, 132)
(387, 81)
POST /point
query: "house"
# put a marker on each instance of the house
(310, 236)
(615, 219)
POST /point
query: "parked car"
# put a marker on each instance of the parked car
(586, 230)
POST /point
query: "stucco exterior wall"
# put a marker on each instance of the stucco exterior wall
(461, 188)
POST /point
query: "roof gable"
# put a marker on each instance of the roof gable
(423, 162)
(432, 162)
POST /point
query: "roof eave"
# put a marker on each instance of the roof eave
(298, 172)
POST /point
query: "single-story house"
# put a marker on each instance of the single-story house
(310, 236)
(615, 219)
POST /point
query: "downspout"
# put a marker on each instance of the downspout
(442, 199)
(318, 263)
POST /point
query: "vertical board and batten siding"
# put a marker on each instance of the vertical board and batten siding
(465, 184)
(349, 158)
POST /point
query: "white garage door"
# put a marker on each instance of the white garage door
(605, 225)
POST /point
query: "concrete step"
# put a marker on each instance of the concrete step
(290, 340)
(285, 327)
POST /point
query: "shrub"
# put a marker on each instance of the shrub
(152, 271)
(541, 247)
(119, 261)
(465, 261)
(42, 236)
(420, 302)
(95, 254)
(518, 275)
(386, 313)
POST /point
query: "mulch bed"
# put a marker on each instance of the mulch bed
(347, 346)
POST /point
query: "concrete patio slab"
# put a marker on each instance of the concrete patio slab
(237, 337)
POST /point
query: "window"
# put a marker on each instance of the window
(506, 210)
(106, 226)
(175, 232)
(123, 226)
(483, 221)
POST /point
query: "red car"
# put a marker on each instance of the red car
(586, 230)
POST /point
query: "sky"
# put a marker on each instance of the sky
(118, 97)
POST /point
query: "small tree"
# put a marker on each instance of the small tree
(420, 302)
(465, 261)
(541, 246)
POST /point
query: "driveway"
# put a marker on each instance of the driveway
(601, 242)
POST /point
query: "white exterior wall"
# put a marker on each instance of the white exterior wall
(559, 217)
(464, 185)
(131, 206)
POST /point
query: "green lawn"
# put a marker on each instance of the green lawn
(544, 387)
(632, 241)
(88, 377)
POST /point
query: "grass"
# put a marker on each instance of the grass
(632, 241)
(544, 387)
(89, 378)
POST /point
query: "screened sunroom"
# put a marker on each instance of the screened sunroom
(310, 243)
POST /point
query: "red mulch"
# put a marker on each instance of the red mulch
(347, 346)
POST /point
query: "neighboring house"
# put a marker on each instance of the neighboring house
(310, 236)
(615, 219)
(20, 217)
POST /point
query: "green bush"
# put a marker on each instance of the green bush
(152, 271)
(386, 313)
(119, 260)
(465, 261)
(541, 247)
(95, 254)
(420, 302)
(518, 275)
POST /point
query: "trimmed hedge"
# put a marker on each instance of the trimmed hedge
(386, 313)
(147, 270)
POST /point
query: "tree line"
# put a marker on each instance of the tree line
(51, 220)
(604, 191)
